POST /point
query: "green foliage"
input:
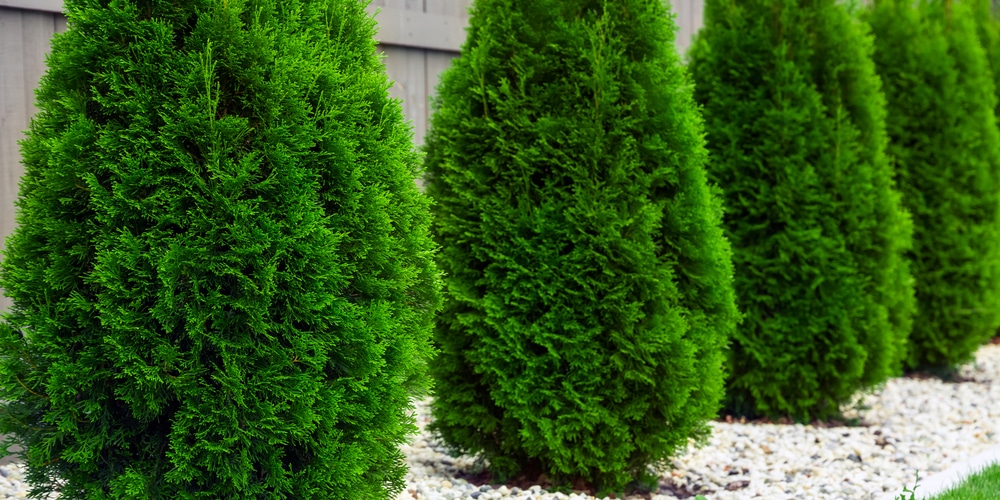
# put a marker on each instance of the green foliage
(222, 277)
(795, 121)
(988, 30)
(589, 293)
(943, 134)
(987, 19)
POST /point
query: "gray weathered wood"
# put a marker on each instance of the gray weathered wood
(42, 5)
(61, 25)
(458, 8)
(38, 30)
(407, 69)
(13, 116)
(685, 10)
(697, 16)
(438, 61)
(416, 5)
(691, 24)
(411, 28)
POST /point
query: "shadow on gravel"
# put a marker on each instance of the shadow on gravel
(667, 486)
(12, 458)
(820, 424)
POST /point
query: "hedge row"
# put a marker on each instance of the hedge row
(222, 274)
(796, 127)
(225, 281)
(943, 135)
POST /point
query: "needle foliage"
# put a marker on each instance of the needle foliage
(222, 275)
(588, 284)
(943, 133)
(795, 120)
(987, 19)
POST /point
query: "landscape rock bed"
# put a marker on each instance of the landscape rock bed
(913, 424)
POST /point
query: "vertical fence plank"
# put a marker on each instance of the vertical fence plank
(13, 117)
(38, 28)
(406, 67)
(417, 5)
(685, 28)
(438, 61)
(697, 16)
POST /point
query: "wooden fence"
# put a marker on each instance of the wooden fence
(418, 37)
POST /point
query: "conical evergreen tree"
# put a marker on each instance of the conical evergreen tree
(222, 277)
(589, 293)
(943, 134)
(987, 19)
(795, 121)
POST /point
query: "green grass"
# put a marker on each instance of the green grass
(983, 485)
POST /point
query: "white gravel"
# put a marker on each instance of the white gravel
(909, 426)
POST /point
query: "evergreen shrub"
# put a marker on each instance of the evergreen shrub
(222, 275)
(944, 137)
(588, 285)
(988, 29)
(795, 122)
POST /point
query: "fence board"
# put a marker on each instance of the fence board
(682, 14)
(417, 5)
(13, 116)
(38, 30)
(40, 5)
(438, 61)
(448, 7)
(413, 28)
(697, 17)
(406, 67)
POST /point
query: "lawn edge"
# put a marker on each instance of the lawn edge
(942, 481)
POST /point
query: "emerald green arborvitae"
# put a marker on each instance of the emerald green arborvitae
(222, 275)
(588, 291)
(796, 126)
(943, 134)
(988, 23)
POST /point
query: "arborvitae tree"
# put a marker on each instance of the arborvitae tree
(222, 275)
(588, 284)
(943, 134)
(795, 121)
(988, 23)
